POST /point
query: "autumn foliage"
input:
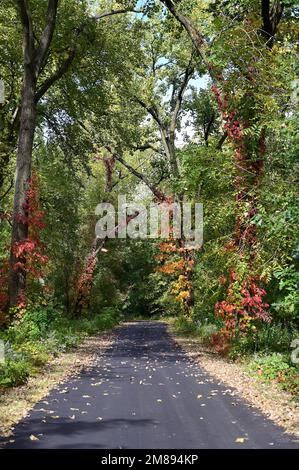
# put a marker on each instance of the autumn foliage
(29, 253)
(176, 261)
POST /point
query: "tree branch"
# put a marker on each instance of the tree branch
(47, 34)
(27, 31)
(116, 12)
(56, 76)
(7, 191)
(178, 102)
(221, 141)
(159, 195)
(146, 147)
(208, 129)
(197, 38)
(153, 111)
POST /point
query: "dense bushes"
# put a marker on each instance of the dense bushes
(41, 334)
(277, 367)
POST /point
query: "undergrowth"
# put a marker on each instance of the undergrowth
(41, 334)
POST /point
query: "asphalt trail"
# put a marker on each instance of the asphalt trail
(145, 393)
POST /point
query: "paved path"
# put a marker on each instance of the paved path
(145, 393)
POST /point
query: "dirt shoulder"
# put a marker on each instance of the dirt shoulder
(15, 403)
(276, 404)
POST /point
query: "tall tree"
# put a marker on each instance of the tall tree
(36, 83)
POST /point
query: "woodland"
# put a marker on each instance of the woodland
(161, 101)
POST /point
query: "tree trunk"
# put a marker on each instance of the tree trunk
(17, 279)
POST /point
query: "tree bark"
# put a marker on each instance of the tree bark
(17, 279)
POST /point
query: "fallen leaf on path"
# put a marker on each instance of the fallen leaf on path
(33, 438)
(240, 440)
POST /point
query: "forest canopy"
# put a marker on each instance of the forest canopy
(162, 101)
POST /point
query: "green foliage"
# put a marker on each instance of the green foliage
(206, 330)
(269, 367)
(287, 303)
(14, 373)
(184, 325)
(34, 324)
(276, 367)
(43, 333)
(268, 337)
(126, 71)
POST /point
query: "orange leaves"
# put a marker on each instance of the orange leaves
(176, 261)
(171, 267)
(168, 247)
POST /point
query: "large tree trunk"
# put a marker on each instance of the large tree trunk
(17, 279)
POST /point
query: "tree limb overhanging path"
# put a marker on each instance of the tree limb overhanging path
(145, 393)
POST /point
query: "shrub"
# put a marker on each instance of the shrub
(36, 353)
(206, 330)
(185, 325)
(269, 367)
(14, 373)
(43, 332)
(277, 367)
(273, 337)
(34, 324)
